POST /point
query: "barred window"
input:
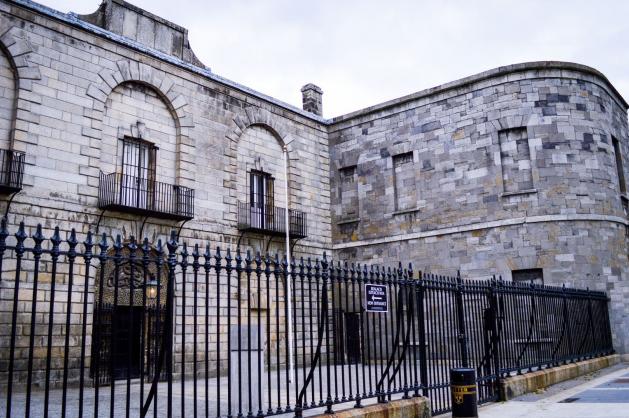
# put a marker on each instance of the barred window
(619, 167)
(535, 276)
(138, 173)
(348, 192)
(516, 160)
(405, 188)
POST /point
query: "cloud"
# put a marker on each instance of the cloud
(365, 52)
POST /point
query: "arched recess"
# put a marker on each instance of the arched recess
(257, 126)
(136, 110)
(17, 75)
(133, 72)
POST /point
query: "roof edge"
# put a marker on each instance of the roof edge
(485, 75)
(73, 19)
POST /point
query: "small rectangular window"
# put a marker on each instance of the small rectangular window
(347, 174)
(529, 311)
(535, 276)
(619, 167)
(348, 192)
(405, 189)
(516, 160)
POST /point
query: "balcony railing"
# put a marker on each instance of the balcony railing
(145, 197)
(270, 220)
(11, 171)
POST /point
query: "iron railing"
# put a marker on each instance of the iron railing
(270, 220)
(11, 171)
(145, 197)
(101, 328)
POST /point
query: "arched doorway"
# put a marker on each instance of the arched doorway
(129, 316)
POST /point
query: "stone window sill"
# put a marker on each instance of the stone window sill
(405, 211)
(348, 221)
(519, 192)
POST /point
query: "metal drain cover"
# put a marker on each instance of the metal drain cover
(569, 400)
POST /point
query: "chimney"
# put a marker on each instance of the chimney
(311, 97)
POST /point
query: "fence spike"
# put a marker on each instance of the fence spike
(102, 244)
(38, 238)
(118, 243)
(267, 265)
(257, 260)
(207, 258)
(159, 248)
(172, 243)
(131, 245)
(88, 244)
(72, 243)
(324, 262)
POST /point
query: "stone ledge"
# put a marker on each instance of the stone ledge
(518, 193)
(418, 407)
(519, 385)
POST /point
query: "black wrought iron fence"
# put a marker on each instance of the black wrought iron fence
(101, 328)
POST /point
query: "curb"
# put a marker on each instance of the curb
(417, 407)
(515, 386)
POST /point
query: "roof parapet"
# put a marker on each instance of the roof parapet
(125, 19)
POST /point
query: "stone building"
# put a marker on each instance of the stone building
(518, 171)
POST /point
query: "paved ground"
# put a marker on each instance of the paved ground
(600, 395)
(217, 395)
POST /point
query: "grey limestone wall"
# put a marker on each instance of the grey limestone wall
(511, 169)
(83, 84)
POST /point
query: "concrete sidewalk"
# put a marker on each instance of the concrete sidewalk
(604, 395)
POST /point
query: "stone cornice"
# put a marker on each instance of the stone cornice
(483, 225)
(545, 69)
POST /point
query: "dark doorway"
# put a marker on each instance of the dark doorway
(352, 337)
(126, 329)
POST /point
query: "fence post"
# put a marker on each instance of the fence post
(590, 347)
(566, 322)
(461, 319)
(493, 318)
(172, 245)
(423, 362)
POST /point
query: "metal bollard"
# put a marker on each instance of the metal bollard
(463, 388)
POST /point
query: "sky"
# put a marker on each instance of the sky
(365, 52)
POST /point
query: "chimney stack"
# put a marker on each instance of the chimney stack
(312, 99)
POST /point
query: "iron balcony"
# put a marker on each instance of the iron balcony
(145, 197)
(270, 220)
(11, 171)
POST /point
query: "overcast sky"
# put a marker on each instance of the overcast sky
(365, 52)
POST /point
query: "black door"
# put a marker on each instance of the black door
(352, 337)
(126, 330)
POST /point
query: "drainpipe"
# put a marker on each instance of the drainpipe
(289, 293)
